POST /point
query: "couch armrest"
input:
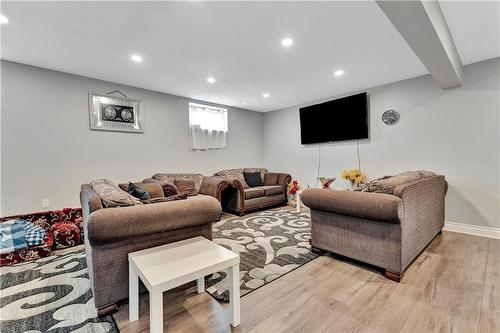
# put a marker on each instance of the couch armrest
(423, 199)
(111, 224)
(213, 186)
(372, 206)
(423, 185)
(237, 201)
(283, 180)
(89, 199)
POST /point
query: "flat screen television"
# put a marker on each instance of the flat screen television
(338, 120)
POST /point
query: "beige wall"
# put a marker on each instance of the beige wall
(48, 149)
(454, 132)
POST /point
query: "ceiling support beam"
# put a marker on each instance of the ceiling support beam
(424, 28)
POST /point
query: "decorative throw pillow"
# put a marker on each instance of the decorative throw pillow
(66, 234)
(186, 187)
(271, 179)
(233, 174)
(253, 179)
(172, 177)
(34, 234)
(262, 171)
(138, 192)
(12, 236)
(111, 195)
(169, 189)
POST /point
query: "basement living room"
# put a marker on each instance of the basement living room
(248, 166)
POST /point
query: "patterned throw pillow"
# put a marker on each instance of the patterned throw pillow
(34, 234)
(111, 195)
(232, 174)
(12, 236)
(66, 234)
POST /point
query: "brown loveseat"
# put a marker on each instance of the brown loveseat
(241, 198)
(112, 233)
(385, 230)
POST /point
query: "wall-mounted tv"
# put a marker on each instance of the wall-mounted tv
(338, 120)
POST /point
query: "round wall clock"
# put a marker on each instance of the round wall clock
(390, 117)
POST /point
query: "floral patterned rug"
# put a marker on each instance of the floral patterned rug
(50, 294)
(271, 243)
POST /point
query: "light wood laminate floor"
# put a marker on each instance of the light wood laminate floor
(453, 286)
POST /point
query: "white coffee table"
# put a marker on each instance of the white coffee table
(168, 266)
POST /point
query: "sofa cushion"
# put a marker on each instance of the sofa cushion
(232, 174)
(255, 192)
(387, 184)
(186, 187)
(66, 234)
(253, 179)
(167, 199)
(272, 189)
(271, 178)
(172, 177)
(111, 195)
(154, 189)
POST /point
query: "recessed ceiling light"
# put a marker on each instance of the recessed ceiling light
(210, 79)
(265, 95)
(338, 72)
(3, 19)
(136, 58)
(286, 42)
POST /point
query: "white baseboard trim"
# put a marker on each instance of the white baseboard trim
(475, 230)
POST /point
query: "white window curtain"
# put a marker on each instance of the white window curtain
(207, 126)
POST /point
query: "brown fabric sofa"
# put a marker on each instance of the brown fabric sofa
(207, 185)
(112, 233)
(385, 230)
(239, 198)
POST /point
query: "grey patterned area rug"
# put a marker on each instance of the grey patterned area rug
(271, 243)
(51, 294)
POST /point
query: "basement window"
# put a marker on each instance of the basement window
(207, 127)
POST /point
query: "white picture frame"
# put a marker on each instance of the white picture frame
(119, 114)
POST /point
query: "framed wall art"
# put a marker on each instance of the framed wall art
(110, 113)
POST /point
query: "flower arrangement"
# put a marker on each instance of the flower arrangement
(293, 187)
(355, 176)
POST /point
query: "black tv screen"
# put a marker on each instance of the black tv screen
(338, 120)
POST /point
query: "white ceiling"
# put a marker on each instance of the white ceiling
(182, 43)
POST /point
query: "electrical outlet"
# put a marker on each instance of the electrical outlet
(45, 203)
